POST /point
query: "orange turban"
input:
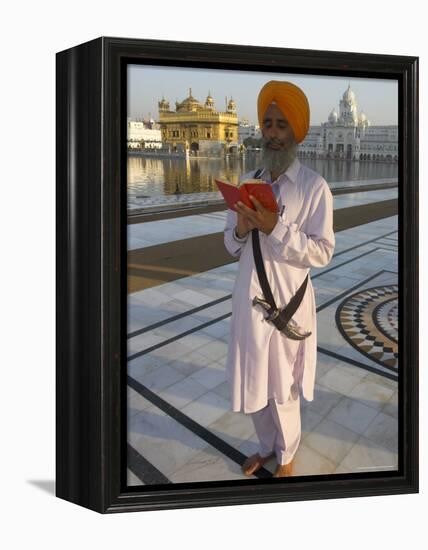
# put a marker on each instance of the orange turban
(290, 100)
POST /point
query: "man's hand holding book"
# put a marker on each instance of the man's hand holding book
(261, 217)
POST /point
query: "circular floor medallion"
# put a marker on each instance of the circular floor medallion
(368, 320)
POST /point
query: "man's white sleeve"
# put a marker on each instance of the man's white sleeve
(315, 247)
(233, 246)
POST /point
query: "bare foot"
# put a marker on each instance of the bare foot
(284, 470)
(254, 463)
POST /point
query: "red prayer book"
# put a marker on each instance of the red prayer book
(259, 189)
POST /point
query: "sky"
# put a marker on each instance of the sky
(377, 98)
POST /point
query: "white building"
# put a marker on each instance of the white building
(349, 135)
(144, 134)
(246, 130)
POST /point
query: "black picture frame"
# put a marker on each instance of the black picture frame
(91, 236)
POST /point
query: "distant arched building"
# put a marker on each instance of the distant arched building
(349, 135)
(199, 128)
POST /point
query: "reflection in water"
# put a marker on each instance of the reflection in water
(163, 176)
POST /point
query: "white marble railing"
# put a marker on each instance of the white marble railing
(356, 183)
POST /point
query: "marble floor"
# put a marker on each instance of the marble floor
(180, 426)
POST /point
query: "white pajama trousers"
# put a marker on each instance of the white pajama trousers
(278, 428)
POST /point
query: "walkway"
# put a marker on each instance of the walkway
(180, 427)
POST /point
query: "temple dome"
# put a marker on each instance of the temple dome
(349, 95)
(189, 104)
(209, 102)
(333, 116)
(163, 104)
(231, 106)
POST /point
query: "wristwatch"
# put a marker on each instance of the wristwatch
(239, 239)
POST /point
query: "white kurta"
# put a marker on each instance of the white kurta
(262, 363)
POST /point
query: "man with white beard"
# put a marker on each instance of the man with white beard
(266, 369)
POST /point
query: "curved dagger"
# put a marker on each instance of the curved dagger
(292, 330)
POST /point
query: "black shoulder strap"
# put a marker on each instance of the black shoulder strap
(292, 306)
(261, 272)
